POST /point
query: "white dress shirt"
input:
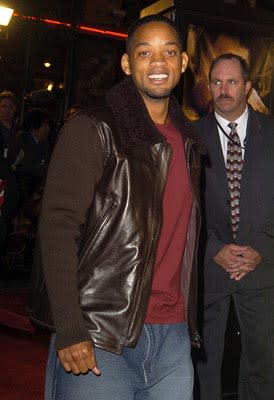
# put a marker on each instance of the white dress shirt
(241, 130)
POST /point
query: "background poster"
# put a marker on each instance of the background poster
(203, 46)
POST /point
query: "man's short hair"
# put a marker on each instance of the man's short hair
(146, 20)
(8, 95)
(34, 119)
(231, 56)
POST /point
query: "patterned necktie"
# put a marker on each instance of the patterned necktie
(234, 165)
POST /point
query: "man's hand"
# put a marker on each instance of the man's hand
(230, 257)
(79, 358)
(237, 260)
(251, 259)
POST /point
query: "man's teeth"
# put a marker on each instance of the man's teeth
(158, 76)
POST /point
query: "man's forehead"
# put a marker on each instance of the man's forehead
(145, 31)
(227, 65)
(226, 73)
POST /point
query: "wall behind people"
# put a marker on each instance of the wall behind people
(203, 45)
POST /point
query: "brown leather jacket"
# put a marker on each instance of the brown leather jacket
(119, 240)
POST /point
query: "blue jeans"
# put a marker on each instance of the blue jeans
(158, 368)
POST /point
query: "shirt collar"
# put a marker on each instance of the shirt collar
(240, 121)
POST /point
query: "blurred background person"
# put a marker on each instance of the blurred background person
(8, 124)
(32, 156)
(8, 206)
(30, 166)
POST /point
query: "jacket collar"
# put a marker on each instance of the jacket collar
(132, 118)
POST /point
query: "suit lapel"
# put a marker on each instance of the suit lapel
(252, 158)
(216, 152)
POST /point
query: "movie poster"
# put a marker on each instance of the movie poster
(203, 46)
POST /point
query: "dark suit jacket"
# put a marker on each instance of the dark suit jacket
(256, 226)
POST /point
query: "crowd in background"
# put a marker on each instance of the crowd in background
(25, 150)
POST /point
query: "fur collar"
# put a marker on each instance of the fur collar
(133, 121)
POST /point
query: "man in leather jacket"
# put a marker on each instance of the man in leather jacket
(118, 234)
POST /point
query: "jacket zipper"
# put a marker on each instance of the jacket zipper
(157, 230)
(101, 222)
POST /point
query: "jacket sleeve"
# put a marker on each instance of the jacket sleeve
(214, 245)
(76, 166)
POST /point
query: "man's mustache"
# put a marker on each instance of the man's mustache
(224, 96)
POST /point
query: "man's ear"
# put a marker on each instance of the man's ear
(248, 87)
(184, 61)
(125, 64)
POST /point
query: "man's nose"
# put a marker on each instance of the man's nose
(158, 58)
(223, 88)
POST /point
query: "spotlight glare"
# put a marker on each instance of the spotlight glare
(5, 15)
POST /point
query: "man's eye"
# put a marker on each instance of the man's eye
(171, 52)
(216, 82)
(233, 82)
(143, 53)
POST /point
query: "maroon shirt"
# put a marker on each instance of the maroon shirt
(166, 303)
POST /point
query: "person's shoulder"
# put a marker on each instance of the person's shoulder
(204, 119)
(90, 115)
(100, 114)
(20, 138)
(204, 123)
(82, 129)
(265, 122)
(267, 118)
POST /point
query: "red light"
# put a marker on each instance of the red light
(111, 33)
(93, 30)
(70, 26)
(54, 22)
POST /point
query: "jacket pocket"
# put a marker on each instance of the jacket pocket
(103, 218)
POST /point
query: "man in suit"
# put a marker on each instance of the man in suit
(239, 219)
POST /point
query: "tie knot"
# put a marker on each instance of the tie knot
(232, 126)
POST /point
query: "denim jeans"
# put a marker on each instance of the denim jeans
(158, 368)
